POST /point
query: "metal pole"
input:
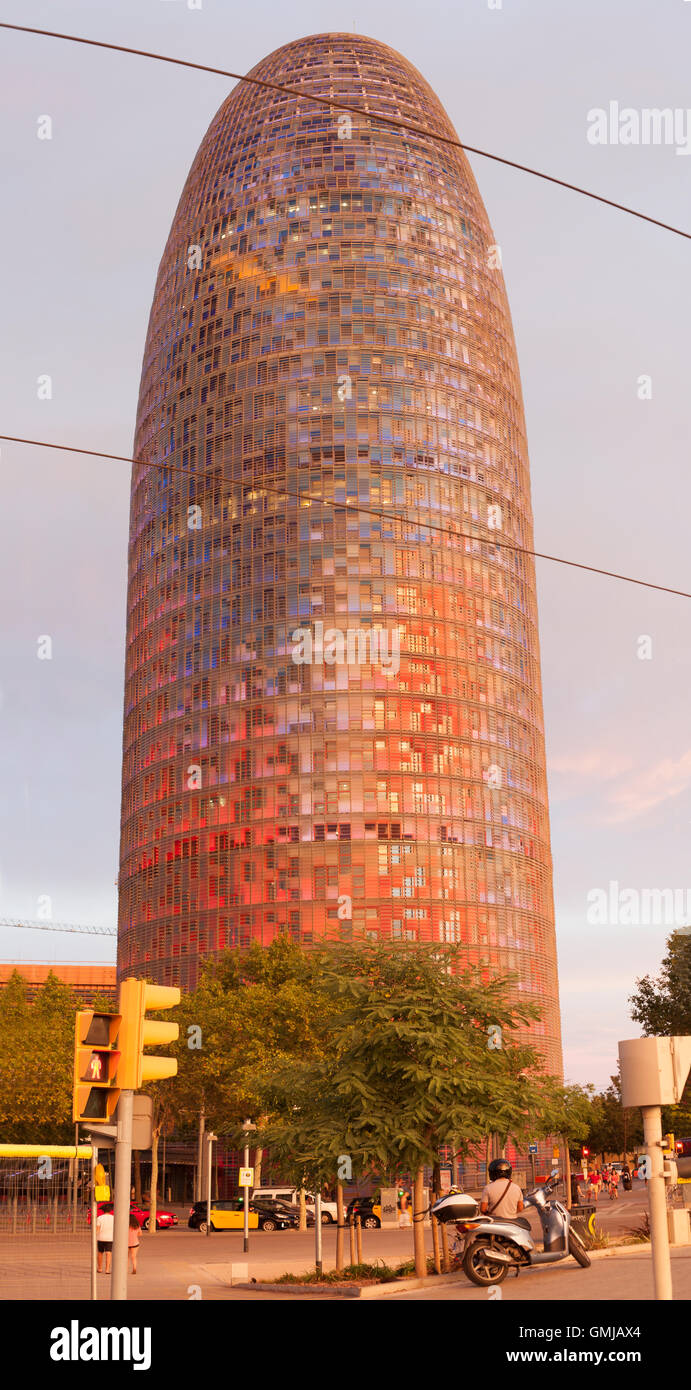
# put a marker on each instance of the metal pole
(94, 1246)
(246, 1206)
(200, 1156)
(659, 1234)
(318, 1231)
(123, 1183)
(209, 1141)
(75, 1180)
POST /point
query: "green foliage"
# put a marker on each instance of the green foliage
(613, 1129)
(407, 1067)
(379, 1273)
(257, 1010)
(36, 1062)
(662, 1006)
(565, 1110)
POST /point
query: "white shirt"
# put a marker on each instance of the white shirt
(104, 1226)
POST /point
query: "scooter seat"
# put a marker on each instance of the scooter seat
(514, 1220)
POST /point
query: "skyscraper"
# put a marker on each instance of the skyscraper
(333, 714)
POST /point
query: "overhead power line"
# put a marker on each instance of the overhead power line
(375, 116)
(393, 516)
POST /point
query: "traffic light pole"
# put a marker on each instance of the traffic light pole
(246, 1205)
(657, 1199)
(123, 1182)
(94, 1217)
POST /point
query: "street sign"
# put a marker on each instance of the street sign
(532, 1148)
(246, 1178)
(445, 1179)
(142, 1121)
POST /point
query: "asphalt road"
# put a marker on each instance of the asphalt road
(183, 1264)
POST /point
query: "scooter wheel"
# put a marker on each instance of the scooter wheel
(578, 1250)
(479, 1269)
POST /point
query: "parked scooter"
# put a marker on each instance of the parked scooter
(490, 1246)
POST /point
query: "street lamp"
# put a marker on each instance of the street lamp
(247, 1128)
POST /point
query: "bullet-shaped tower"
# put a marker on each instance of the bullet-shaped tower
(333, 711)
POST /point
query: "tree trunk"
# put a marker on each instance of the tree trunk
(137, 1178)
(340, 1233)
(418, 1224)
(567, 1171)
(302, 1223)
(153, 1204)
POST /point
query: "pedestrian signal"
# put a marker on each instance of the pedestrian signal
(96, 1058)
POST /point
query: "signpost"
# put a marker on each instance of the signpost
(532, 1151)
(246, 1182)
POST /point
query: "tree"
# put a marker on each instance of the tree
(612, 1128)
(567, 1111)
(662, 1006)
(251, 1011)
(418, 1056)
(36, 1062)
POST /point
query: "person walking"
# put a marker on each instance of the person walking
(613, 1185)
(595, 1184)
(133, 1239)
(104, 1237)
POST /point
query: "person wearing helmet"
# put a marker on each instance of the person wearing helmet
(501, 1197)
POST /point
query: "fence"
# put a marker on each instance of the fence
(44, 1196)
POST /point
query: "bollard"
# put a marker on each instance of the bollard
(435, 1245)
(351, 1222)
(358, 1232)
(446, 1263)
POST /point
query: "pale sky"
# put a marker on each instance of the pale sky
(598, 300)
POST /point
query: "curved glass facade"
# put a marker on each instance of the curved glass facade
(333, 715)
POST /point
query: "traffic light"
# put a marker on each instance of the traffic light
(585, 1153)
(96, 1061)
(668, 1143)
(137, 1032)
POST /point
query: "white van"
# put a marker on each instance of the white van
(291, 1195)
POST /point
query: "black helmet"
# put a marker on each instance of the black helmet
(499, 1168)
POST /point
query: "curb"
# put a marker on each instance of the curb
(400, 1286)
(395, 1286)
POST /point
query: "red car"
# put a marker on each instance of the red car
(164, 1219)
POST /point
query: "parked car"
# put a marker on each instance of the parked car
(227, 1214)
(164, 1219)
(367, 1209)
(291, 1196)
